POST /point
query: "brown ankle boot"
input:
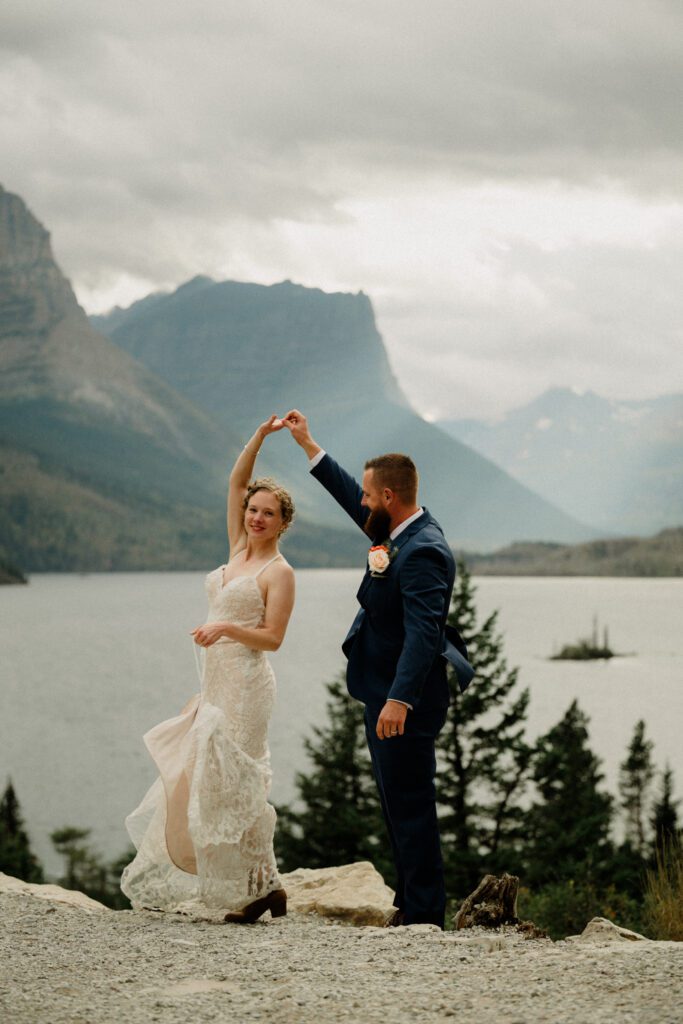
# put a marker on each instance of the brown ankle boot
(275, 902)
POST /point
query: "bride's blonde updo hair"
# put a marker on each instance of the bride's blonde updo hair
(266, 483)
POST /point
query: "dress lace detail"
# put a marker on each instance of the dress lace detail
(204, 830)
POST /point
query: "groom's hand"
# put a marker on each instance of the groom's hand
(392, 720)
(297, 424)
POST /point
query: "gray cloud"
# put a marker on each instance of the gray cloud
(161, 139)
(605, 318)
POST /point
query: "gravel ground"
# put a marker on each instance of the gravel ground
(59, 964)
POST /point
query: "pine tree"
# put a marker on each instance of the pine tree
(569, 820)
(664, 819)
(69, 842)
(483, 756)
(115, 898)
(340, 818)
(85, 869)
(16, 856)
(635, 779)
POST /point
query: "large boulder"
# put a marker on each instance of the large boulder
(53, 893)
(354, 892)
(599, 929)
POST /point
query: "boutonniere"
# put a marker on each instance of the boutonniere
(380, 557)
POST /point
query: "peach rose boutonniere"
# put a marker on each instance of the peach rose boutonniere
(379, 559)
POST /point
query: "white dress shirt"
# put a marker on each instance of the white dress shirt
(406, 522)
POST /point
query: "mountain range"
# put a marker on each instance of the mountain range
(116, 435)
(102, 464)
(661, 555)
(615, 464)
(240, 351)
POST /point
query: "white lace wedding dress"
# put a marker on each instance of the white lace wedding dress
(204, 831)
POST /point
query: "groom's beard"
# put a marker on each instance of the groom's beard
(377, 524)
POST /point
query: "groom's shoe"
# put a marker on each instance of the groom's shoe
(396, 919)
(275, 902)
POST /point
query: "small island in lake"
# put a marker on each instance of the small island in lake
(587, 649)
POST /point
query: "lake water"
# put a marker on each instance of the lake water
(89, 663)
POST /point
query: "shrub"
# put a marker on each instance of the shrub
(86, 871)
(565, 908)
(664, 892)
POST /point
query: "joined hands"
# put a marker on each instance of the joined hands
(271, 426)
(297, 424)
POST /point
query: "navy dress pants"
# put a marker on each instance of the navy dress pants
(404, 769)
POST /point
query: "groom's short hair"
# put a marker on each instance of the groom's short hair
(396, 472)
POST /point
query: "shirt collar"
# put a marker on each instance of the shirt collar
(406, 522)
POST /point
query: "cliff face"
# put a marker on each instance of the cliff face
(241, 351)
(87, 436)
(33, 293)
(103, 465)
(49, 350)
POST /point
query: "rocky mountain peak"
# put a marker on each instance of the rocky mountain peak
(50, 353)
(24, 242)
(34, 294)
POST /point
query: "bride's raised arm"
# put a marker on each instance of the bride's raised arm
(239, 481)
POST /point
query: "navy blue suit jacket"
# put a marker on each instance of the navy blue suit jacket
(396, 645)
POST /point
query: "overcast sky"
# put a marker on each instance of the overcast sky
(504, 178)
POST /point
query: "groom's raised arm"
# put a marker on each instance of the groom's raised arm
(334, 478)
(342, 486)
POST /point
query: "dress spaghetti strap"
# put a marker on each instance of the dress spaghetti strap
(273, 559)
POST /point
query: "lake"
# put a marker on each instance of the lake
(90, 662)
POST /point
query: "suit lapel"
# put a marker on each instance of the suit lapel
(419, 524)
(410, 531)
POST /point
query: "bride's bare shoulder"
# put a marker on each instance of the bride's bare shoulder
(282, 569)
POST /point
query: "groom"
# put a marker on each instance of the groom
(395, 664)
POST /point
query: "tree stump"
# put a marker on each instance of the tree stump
(493, 903)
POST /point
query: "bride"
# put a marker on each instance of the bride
(204, 831)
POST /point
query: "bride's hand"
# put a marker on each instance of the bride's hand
(207, 634)
(271, 426)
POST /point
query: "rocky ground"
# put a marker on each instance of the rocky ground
(61, 963)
